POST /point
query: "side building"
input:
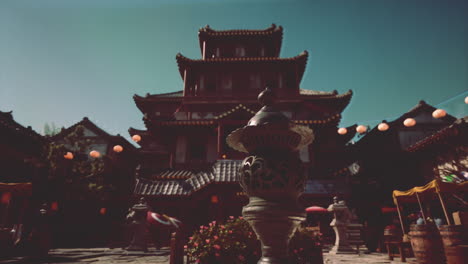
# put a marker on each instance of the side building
(90, 204)
(185, 167)
(22, 176)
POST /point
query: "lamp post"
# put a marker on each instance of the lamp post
(272, 176)
(139, 226)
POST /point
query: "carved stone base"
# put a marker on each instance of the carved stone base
(275, 224)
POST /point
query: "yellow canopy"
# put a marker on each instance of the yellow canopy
(427, 191)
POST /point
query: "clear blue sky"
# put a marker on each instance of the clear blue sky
(61, 60)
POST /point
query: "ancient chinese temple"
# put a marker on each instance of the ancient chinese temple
(185, 167)
(21, 172)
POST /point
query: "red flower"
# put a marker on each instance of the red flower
(207, 241)
(217, 247)
(241, 258)
(215, 237)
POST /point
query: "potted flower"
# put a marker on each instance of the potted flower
(234, 242)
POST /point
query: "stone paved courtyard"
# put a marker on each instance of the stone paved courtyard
(114, 256)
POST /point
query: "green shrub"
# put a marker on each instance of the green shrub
(234, 242)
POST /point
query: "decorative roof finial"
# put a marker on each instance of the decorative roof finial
(266, 97)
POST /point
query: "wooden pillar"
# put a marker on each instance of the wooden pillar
(422, 210)
(220, 139)
(399, 216)
(204, 50)
(185, 83)
(443, 208)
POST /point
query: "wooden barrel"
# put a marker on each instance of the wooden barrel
(452, 236)
(427, 244)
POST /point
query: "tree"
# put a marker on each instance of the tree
(51, 130)
(81, 177)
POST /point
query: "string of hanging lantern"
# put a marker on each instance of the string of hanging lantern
(408, 122)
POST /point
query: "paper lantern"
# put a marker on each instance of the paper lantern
(54, 206)
(224, 156)
(136, 138)
(439, 113)
(95, 154)
(103, 211)
(118, 148)
(361, 129)
(214, 199)
(68, 156)
(409, 122)
(6, 197)
(342, 131)
(383, 127)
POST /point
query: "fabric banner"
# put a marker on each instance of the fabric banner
(427, 191)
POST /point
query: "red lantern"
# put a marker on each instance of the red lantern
(6, 197)
(361, 129)
(68, 156)
(409, 122)
(103, 211)
(54, 206)
(95, 154)
(383, 127)
(214, 199)
(136, 138)
(118, 148)
(439, 113)
(342, 131)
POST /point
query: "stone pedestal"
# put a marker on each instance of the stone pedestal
(272, 177)
(139, 227)
(341, 242)
(275, 224)
(342, 217)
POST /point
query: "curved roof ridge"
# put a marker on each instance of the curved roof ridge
(181, 58)
(210, 31)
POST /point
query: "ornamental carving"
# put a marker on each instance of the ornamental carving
(270, 173)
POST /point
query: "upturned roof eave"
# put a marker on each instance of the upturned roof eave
(300, 60)
(275, 33)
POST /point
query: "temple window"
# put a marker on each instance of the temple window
(226, 82)
(255, 81)
(240, 52)
(280, 80)
(262, 52)
(218, 52)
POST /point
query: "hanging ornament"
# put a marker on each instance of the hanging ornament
(409, 122)
(68, 156)
(95, 154)
(118, 148)
(361, 129)
(136, 138)
(342, 131)
(439, 113)
(103, 211)
(383, 126)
